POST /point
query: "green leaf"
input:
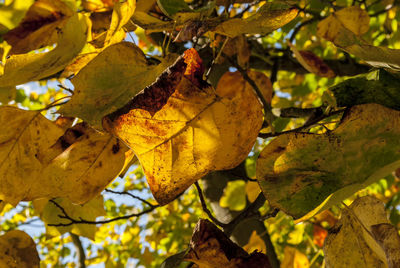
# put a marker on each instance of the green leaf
(234, 196)
(378, 87)
(171, 7)
(174, 260)
(305, 173)
(106, 83)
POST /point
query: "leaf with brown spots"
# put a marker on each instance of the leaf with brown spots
(305, 173)
(37, 159)
(180, 131)
(17, 250)
(22, 68)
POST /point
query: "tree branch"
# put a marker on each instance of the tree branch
(64, 215)
(80, 251)
(129, 194)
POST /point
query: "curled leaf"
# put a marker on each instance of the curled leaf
(180, 131)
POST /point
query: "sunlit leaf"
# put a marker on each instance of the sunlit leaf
(294, 259)
(116, 75)
(234, 196)
(49, 213)
(268, 18)
(180, 130)
(39, 27)
(23, 68)
(255, 243)
(13, 13)
(38, 160)
(302, 172)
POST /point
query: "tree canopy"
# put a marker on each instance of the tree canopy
(197, 133)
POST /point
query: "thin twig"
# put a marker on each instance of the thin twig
(299, 129)
(129, 194)
(205, 208)
(64, 215)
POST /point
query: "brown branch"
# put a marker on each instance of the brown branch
(72, 221)
(80, 251)
(129, 194)
(308, 125)
(205, 208)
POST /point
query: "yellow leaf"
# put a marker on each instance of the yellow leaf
(294, 259)
(268, 18)
(105, 84)
(7, 94)
(255, 243)
(12, 13)
(39, 26)
(23, 68)
(17, 250)
(252, 190)
(350, 242)
(122, 13)
(353, 18)
(37, 159)
(180, 128)
(234, 196)
(89, 211)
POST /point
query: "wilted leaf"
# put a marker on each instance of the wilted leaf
(116, 75)
(304, 173)
(268, 18)
(350, 242)
(23, 68)
(234, 196)
(180, 128)
(210, 247)
(12, 14)
(312, 62)
(37, 160)
(378, 87)
(40, 26)
(294, 259)
(89, 211)
(17, 250)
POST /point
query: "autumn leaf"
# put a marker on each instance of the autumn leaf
(350, 242)
(210, 247)
(180, 132)
(17, 250)
(344, 28)
(304, 173)
(23, 68)
(39, 27)
(12, 14)
(293, 258)
(256, 243)
(49, 213)
(104, 85)
(378, 86)
(268, 18)
(39, 160)
(319, 235)
(312, 62)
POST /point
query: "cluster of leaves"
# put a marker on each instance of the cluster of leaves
(286, 110)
